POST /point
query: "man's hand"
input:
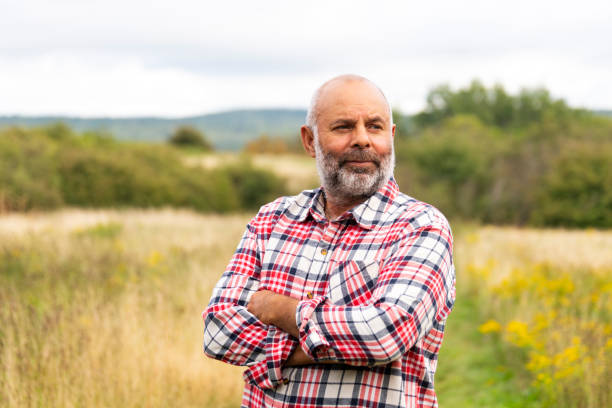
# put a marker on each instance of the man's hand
(300, 358)
(278, 310)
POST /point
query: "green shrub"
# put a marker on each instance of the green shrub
(189, 136)
(253, 186)
(27, 171)
(577, 191)
(550, 173)
(450, 166)
(48, 167)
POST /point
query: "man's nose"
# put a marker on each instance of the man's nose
(361, 138)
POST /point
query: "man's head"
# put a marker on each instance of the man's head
(349, 130)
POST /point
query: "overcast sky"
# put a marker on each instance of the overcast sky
(179, 58)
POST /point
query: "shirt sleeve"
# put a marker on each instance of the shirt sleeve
(414, 292)
(234, 335)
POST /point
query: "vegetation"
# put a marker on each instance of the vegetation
(547, 310)
(476, 153)
(50, 167)
(101, 308)
(265, 144)
(226, 130)
(494, 107)
(484, 155)
(188, 136)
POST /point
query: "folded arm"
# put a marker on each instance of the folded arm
(414, 293)
(233, 334)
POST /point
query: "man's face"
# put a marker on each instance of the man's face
(354, 140)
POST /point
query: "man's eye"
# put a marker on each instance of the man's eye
(376, 126)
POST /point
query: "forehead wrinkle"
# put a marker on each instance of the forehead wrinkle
(367, 119)
(354, 115)
(375, 118)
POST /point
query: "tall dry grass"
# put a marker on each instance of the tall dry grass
(102, 308)
(299, 170)
(106, 311)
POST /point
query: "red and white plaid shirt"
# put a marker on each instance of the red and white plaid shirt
(376, 287)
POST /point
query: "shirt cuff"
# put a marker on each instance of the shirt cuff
(267, 374)
(311, 339)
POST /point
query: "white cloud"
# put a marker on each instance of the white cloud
(185, 57)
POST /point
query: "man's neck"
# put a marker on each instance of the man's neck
(336, 206)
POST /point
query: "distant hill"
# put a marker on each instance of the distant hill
(226, 130)
(603, 112)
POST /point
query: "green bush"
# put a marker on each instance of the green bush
(450, 166)
(549, 173)
(189, 136)
(254, 186)
(27, 171)
(577, 191)
(49, 167)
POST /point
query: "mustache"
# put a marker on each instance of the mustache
(359, 155)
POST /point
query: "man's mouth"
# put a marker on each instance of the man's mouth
(359, 163)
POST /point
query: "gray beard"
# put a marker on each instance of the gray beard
(349, 184)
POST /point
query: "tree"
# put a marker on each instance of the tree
(404, 126)
(493, 106)
(189, 136)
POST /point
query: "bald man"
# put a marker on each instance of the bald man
(338, 297)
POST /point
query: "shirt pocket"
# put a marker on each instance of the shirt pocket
(352, 283)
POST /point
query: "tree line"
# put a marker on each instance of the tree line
(476, 153)
(49, 167)
(482, 154)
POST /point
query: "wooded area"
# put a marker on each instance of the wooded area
(476, 153)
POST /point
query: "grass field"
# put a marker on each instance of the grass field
(298, 169)
(102, 308)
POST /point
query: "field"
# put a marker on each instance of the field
(298, 169)
(102, 308)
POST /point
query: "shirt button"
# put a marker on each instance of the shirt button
(309, 295)
(324, 251)
(285, 381)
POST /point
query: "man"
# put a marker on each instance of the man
(338, 297)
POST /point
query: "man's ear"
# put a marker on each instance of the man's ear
(308, 140)
(393, 131)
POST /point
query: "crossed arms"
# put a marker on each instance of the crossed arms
(265, 330)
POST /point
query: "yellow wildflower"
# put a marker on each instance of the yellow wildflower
(543, 320)
(565, 372)
(518, 334)
(538, 362)
(491, 326)
(544, 379)
(569, 355)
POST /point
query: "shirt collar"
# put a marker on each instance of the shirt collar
(366, 214)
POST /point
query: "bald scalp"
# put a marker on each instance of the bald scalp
(313, 112)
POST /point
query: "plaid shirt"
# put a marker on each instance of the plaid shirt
(376, 286)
